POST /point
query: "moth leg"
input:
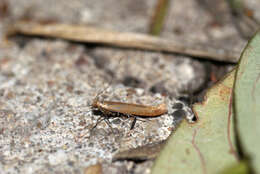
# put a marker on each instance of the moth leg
(134, 120)
(106, 118)
(109, 124)
(100, 119)
(133, 123)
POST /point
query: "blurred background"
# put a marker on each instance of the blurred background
(145, 51)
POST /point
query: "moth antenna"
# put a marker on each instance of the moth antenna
(109, 84)
(96, 97)
(112, 79)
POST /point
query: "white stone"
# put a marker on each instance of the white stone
(57, 158)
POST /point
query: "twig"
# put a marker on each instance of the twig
(121, 39)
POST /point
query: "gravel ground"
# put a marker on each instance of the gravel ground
(47, 86)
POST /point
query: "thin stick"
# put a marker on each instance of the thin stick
(121, 39)
(158, 18)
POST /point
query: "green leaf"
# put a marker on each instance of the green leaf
(247, 101)
(158, 19)
(207, 146)
(238, 168)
